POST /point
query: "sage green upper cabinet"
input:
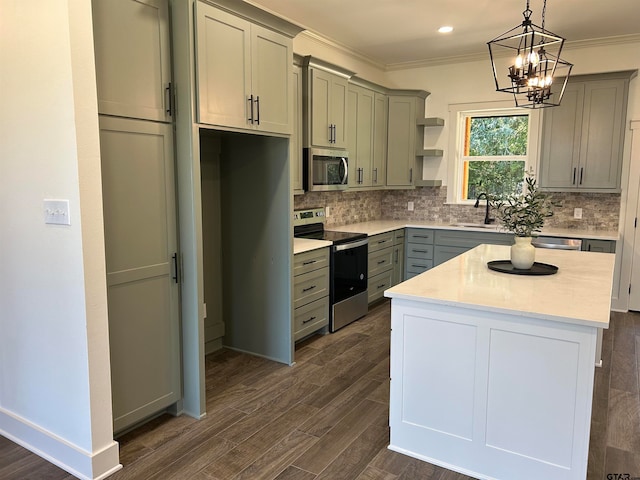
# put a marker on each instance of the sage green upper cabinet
(325, 104)
(295, 142)
(380, 117)
(360, 123)
(403, 139)
(583, 138)
(133, 66)
(244, 73)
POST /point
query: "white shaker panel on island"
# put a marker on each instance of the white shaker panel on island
(492, 374)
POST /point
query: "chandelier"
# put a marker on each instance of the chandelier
(526, 62)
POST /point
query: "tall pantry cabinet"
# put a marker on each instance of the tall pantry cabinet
(133, 70)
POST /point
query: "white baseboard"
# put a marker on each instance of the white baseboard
(75, 460)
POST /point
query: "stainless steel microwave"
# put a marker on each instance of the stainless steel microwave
(325, 170)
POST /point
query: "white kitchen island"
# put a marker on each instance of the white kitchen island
(492, 373)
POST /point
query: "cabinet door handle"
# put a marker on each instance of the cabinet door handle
(581, 172)
(397, 256)
(573, 182)
(309, 262)
(169, 94)
(334, 133)
(257, 109)
(410, 175)
(589, 247)
(250, 119)
(309, 320)
(375, 178)
(330, 133)
(308, 288)
(175, 267)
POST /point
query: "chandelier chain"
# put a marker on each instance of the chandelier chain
(544, 11)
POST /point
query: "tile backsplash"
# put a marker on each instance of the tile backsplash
(600, 211)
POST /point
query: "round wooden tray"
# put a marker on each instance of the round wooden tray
(505, 266)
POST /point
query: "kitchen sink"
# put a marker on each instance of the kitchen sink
(490, 226)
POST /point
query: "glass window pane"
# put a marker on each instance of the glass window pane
(490, 136)
(499, 178)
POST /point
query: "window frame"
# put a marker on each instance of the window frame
(458, 115)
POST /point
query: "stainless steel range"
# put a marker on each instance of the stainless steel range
(348, 266)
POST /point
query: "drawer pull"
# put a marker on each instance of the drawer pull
(419, 266)
(422, 236)
(309, 262)
(381, 286)
(381, 262)
(382, 241)
(308, 288)
(420, 251)
(309, 320)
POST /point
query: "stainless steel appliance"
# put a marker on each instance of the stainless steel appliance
(348, 294)
(325, 170)
(557, 243)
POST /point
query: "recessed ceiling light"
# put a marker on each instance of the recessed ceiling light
(445, 29)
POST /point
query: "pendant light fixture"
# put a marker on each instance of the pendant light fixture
(526, 62)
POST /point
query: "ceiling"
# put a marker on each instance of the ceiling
(393, 32)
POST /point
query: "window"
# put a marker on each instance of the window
(493, 152)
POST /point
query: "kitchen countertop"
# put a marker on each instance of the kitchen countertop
(382, 226)
(579, 293)
(375, 227)
(301, 245)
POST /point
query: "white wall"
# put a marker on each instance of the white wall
(55, 393)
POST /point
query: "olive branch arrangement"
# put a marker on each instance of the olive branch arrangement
(524, 214)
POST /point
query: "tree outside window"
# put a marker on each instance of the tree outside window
(494, 155)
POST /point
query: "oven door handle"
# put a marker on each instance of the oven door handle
(349, 246)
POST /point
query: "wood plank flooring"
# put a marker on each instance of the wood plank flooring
(326, 417)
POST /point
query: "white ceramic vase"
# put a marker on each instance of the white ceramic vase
(523, 254)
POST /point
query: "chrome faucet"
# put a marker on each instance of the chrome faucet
(487, 219)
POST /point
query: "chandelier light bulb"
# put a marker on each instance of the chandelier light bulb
(519, 61)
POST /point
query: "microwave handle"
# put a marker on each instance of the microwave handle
(346, 171)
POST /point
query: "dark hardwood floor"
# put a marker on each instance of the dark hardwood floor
(326, 417)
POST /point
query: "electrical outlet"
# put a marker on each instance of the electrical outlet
(410, 206)
(327, 211)
(577, 213)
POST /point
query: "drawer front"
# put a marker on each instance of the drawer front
(378, 284)
(419, 250)
(419, 235)
(380, 261)
(311, 317)
(453, 238)
(416, 266)
(309, 261)
(398, 236)
(444, 254)
(378, 242)
(310, 286)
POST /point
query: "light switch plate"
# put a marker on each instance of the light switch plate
(410, 206)
(56, 212)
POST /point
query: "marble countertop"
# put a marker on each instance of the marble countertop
(382, 226)
(579, 293)
(301, 245)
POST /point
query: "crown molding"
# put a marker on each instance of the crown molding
(327, 42)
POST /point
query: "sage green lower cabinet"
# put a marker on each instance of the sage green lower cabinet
(398, 256)
(419, 251)
(602, 246)
(310, 292)
(380, 265)
(451, 243)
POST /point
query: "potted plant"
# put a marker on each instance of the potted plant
(524, 215)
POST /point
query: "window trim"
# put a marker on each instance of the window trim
(457, 114)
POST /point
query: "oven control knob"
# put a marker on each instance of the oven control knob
(362, 276)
